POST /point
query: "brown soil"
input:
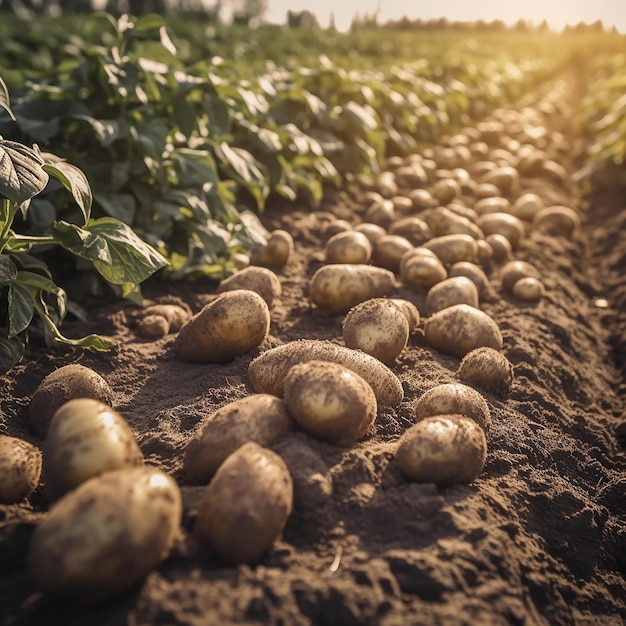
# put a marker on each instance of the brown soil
(538, 538)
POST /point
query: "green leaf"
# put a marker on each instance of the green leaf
(21, 309)
(122, 206)
(107, 131)
(73, 179)
(5, 101)
(22, 174)
(11, 351)
(81, 242)
(8, 270)
(194, 167)
(151, 137)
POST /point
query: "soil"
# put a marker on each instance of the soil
(539, 538)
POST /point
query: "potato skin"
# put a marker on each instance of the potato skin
(443, 449)
(268, 371)
(453, 290)
(86, 438)
(411, 312)
(246, 505)
(349, 246)
(65, 383)
(230, 325)
(330, 401)
(454, 248)
(261, 280)
(528, 289)
(512, 271)
(261, 418)
(20, 469)
(276, 252)
(106, 535)
(488, 369)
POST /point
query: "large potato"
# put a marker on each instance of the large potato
(460, 328)
(261, 418)
(106, 535)
(443, 449)
(330, 401)
(337, 288)
(454, 290)
(268, 371)
(246, 505)
(65, 383)
(378, 327)
(20, 469)
(488, 369)
(261, 280)
(454, 248)
(86, 438)
(229, 326)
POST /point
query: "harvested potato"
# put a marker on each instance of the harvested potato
(348, 247)
(389, 249)
(421, 199)
(528, 289)
(333, 227)
(276, 251)
(261, 280)
(330, 401)
(378, 327)
(455, 290)
(337, 288)
(512, 271)
(500, 246)
(460, 328)
(106, 535)
(505, 178)
(454, 248)
(446, 189)
(476, 274)
(158, 320)
(153, 327)
(20, 469)
(65, 383)
(246, 505)
(372, 231)
(412, 228)
(261, 418)
(527, 206)
(492, 204)
(231, 325)
(488, 369)
(557, 220)
(485, 251)
(411, 312)
(486, 190)
(503, 224)
(86, 438)
(268, 371)
(381, 212)
(445, 221)
(443, 449)
(454, 398)
(422, 268)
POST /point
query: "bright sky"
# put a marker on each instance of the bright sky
(557, 12)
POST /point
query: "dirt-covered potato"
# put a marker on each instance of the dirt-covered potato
(20, 469)
(512, 271)
(261, 280)
(268, 371)
(527, 206)
(412, 228)
(381, 212)
(421, 267)
(488, 369)
(421, 199)
(153, 327)
(557, 220)
(335, 289)
(503, 224)
(276, 251)
(372, 231)
(261, 418)
(348, 247)
(378, 327)
(528, 289)
(246, 506)
(446, 189)
(460, 328)
(333, 227)
(86, 438)
(505, 178)
(65, 383)
(106, 535)
(492, 204)
(411, 312)
(454, 398)
(444, 221)
(330, 401)
(455, 290)
(454, 248)
(389, 249)
(162, 318)
(476, 274)
(230, 325)
(500, 247)
(443, 449)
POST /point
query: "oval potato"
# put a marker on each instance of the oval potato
(454, 290)
(512, 271)
(350, 246)
(276, 251)
(488, 369)
(389, 249)
(454, 248)
(20, 469)
(502, 224)
(261, 280)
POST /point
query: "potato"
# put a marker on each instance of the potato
(337, 288)
(446, 189)
(86, 438)
(412, 228)
(422, 269)
(454, 398)
(402, 205)
(246, 506)
(444, 221)
(381, 212)
(330, 401)
(261, 280)
(503, 224)
(476, 274)
(443, 449)
(261, 418)
(158, 320)
(488, 369)
(231, 325)
(455, 290)
(267, 372)
(485, 251)
(276, 251)
(528, 289)
(505, 178)
(458, 329)
(486, 190)
(512, 271)
(411, 312)
(348, 247)
(557, 220)
(377, 327)
(453, 248)
(20, 469)
(153, 327)
(389, 249)
(372, 231)
(421, 199)
(492, 204)
(333, 227)
(106, 535)
(500, 246)
(65, 383)
(527, 206)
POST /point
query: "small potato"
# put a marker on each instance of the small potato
(411, 312)
(381, 212)
(485, 251)
(412, 228)
(333, 227)
(231, 325)
(261, 418)
(348, 247)
(446, 189)
(261, 280)
(389, 249)
(86, 438)
(20, 469)
(512, 271)
(455, 290)
(492, 204)
(153, 327)
(443, 449)
(505, 178)
(422, 199)
(527, 206)
(488, 369)
(476, 274)
(106, 535)
(486, 190)
(65, 383)
(246, 506)
(444, 221)
(500, 246)
(335, 289)
(557, 220)
(454, 398)
(460, 328)
(176, 313)
(378, 327)
(330, 401)
(276, 251)
(528, 289)
(372, 231)
(503, 224)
